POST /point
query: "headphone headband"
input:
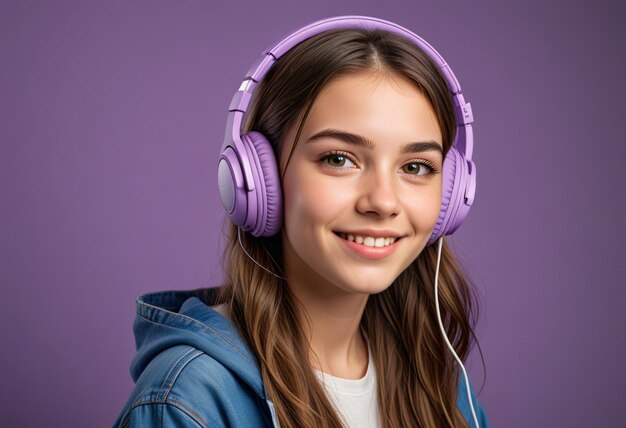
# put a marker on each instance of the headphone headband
(242, 97)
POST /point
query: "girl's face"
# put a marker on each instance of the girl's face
(365, 171)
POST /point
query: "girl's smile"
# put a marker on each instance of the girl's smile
(362, 189)
(368, 246)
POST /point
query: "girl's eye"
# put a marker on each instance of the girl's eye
(413, 168)
(337, 160)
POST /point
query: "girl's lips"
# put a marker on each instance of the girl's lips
(370, 252)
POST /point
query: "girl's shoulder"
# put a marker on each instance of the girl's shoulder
(184, 386)
(192, 367)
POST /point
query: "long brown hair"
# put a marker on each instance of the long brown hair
(418, 378)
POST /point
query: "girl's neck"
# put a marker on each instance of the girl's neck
(332, 327)
(348, 362)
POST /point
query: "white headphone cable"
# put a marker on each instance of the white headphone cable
(458, 360)
(250, 257)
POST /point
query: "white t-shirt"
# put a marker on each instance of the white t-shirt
(356, 399)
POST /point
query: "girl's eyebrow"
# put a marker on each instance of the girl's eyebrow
(422, 146)
(346, 137)
(361, 141)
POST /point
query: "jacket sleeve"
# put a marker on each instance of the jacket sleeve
(160, 415)
(464, 406)
(481, 415)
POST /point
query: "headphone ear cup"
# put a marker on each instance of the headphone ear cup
(268, 204)
(454, 183)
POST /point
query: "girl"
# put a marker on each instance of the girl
(337, 310)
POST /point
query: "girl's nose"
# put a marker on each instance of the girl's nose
(378, 196)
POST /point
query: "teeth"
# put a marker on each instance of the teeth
(369, 241)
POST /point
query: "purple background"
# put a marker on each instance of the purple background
(112, 118)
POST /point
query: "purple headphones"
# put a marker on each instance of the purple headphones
(248, 175)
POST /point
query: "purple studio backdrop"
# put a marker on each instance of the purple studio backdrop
(112, 117)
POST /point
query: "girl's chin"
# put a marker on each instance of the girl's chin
(368, 286)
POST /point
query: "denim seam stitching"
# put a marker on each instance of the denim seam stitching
(180, 371)
(206, 327)
(188, 411)
(171, 369)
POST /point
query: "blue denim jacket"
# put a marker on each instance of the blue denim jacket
(193, 369)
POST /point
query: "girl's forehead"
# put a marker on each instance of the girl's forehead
(381, 106)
